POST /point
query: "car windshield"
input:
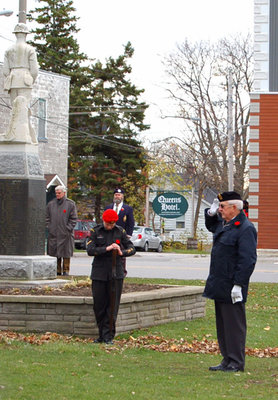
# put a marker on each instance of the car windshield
(137, 229)
(78, 226)
(91, 224)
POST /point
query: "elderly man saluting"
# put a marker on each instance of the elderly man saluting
(233, 259)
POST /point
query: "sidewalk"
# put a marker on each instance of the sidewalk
(262, 253)
(266, 253)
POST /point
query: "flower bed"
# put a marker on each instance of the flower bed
(73, 315)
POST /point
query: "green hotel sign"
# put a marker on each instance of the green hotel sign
(170, 205)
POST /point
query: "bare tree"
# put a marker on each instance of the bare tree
(183, 165)
(199, 80)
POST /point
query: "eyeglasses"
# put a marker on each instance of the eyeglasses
(224, 205)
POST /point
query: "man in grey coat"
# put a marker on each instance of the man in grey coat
(233, 259)
(61, 216)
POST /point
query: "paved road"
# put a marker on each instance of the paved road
(177, 266)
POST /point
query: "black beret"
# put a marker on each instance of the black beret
(226, 196)
(119, 191)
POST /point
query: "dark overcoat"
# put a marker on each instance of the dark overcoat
(61, 218)
(233, 256)
(102, 263)
(126, 218)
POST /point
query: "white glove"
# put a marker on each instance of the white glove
(236, 294)
(214, 207)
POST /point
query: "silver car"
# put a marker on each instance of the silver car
(146, 239)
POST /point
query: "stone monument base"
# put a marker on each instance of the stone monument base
(22, 201)
(53, 283)
(27, 267)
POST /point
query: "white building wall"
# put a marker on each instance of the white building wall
(261, 45)
(54, 89)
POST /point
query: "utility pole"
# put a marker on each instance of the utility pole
(193, 210)
(230, 133)
(22, 11)
(147, 211)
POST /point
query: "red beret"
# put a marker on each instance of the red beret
(110, 216)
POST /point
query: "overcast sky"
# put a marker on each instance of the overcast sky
(154, 28)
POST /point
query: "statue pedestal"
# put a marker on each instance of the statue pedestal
(27, 267)
(22, 214)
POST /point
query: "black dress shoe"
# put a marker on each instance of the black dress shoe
(219, 367)
(98, 340)
(108, 341)
(231, 368)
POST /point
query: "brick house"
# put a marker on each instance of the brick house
(263, 125)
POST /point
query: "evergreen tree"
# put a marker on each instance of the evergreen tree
(108, 153)
(56, 47)
(106, 114)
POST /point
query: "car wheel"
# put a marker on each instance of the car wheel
(159, 249)
(146, 246)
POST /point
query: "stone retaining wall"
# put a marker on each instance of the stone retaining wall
(74, 315)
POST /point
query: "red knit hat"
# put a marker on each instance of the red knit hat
(110, 216)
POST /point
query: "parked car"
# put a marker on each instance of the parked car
(82, 232)
(145, 239)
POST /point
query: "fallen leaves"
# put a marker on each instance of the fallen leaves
(151, 342)
(158, 343)
(8, 337)
(161, 344)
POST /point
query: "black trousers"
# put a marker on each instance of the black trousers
(107, 296)
(231, 333)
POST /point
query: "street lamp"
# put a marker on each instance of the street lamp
(6, 13)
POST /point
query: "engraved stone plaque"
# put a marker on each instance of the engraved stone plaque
(22, 217)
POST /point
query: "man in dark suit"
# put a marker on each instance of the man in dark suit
(124, 211)
(125, 215)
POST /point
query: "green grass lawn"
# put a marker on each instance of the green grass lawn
(67, 370)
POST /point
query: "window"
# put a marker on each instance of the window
(42, 120)
(180, 225)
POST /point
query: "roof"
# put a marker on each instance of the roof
(53, 180)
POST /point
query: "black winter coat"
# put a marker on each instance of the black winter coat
(233, 256)
(102, 264)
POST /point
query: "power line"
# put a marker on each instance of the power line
(3, 37)
(111, 111)
(97, 139)
(45, 58)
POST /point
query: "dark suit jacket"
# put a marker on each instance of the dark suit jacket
(126, 218)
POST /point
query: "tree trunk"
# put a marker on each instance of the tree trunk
(199, 201)
(97, 208)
